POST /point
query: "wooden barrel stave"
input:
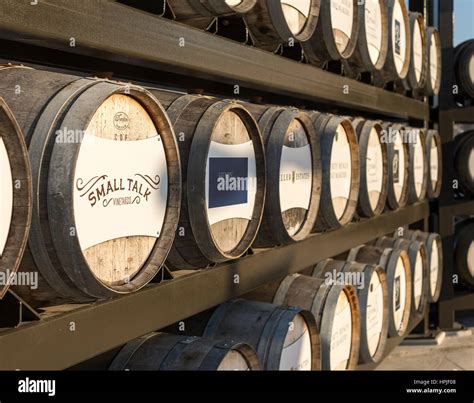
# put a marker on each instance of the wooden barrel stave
(167, 352)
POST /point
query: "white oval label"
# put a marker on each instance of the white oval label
(233, 361)
(342, 15)
(296, 354)
(398, 164)
(419, 164)
(434, 268)
(418, 280)
(399, 45)
(121, 179)
(470, 259)
(417, 50)
(374, 168)
(231, 181)
(296, 13)
(296, 177)
(374, 315)
(373, 28)
(434, 60)
(399, 293)
(341, 171)
(6, 199)
(470, 164)
(341, 335)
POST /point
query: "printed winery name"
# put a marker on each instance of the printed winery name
(100, 188)
(294, 176)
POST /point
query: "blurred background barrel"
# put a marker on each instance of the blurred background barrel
(335, 37)
(433, 71)
(371, 285)
(70, 122)
(464, 161)
(464, 251)
(434, 159)
(373, 168)
(168, 352)
(223, 173)
(293, 163)
(434, 249)
(418, 60)
(372, 40)
(399, 164)
(420, 275)
(396, 264)
(284, 338)
(464, 68)
(272, 23)
(15, 191)
(340, 170)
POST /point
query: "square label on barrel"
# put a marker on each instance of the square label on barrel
(396, 166)
(398, 37)
(228, 179)
(397, 293)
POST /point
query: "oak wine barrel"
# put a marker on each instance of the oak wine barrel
(433, 71)
(418, 60)
(399, 44)
(335, 36)
(16, 195)
(420, 275)
(464, 161)
(373, 168)
(418, 172)
(274, 22)
(434, 159)
(169, 352)
(464, 68)
(372, 40)
(398, 156)
(293, 162)
(340, 170)
(70, 122)
(284, 338)
(434, 249)
(223, 174)
(396, 264)
(371, 284)
(201, 13)
(464, 251)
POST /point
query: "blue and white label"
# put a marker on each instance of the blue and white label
(231, 181)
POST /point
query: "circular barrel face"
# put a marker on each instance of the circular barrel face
(341, 334)
(470, 259)
(433, 56)
(120, 190)
(470, 164)
(399, 293)
(434, 163)
(233, 361)
(418, 164)
(398, 163)
(296, 13)
(471, 69)
(434, 267)
(341, 171)
(6, 192)
(296, 177)
(417, 50)
(342, 20)
(373, 29)
(399, 31)
(374, 314)
(374, 168)
(231, 181)
(418, 280)
(296, 354)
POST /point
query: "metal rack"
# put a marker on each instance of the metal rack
(447, 207)
(148, 50)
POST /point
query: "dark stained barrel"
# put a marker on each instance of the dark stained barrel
(464, 161)
(464, 68)
(464, 251)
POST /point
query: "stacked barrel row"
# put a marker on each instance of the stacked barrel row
(123, 178)
(374, 36)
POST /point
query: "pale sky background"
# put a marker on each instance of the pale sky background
(463, 20)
